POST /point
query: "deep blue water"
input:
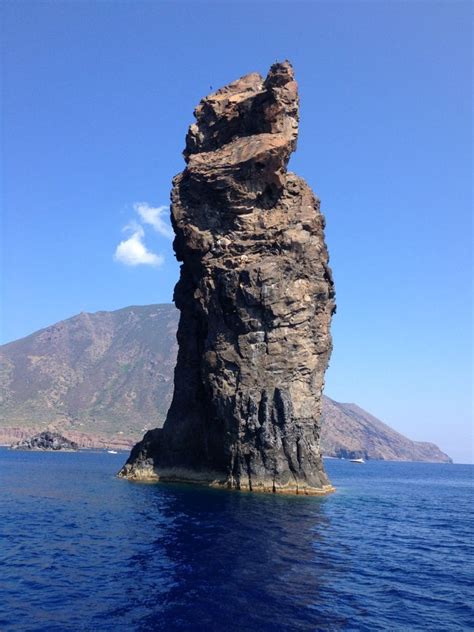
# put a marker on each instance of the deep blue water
(82, 550)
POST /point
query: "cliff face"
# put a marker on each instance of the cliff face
(256, 298)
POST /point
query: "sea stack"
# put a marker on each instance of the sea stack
(256, 297)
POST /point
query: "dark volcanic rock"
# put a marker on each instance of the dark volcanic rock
(45, 441)
(256, 297)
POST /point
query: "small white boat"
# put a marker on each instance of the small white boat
(357, 460)
(112, 451)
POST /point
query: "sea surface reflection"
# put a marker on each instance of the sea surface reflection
(230, 561)
(82, 550)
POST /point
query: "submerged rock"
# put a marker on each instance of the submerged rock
(256, 298)
(45, 441)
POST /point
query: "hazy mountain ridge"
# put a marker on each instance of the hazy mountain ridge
(103, 378)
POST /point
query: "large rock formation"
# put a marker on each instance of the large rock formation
(256, 298)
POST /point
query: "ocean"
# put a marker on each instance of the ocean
(392, 549)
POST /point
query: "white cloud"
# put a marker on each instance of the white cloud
(133, 252)
(155, 216)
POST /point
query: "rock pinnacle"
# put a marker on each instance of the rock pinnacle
(256, 297)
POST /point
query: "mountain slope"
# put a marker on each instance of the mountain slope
(351, 432)
(104, 378)
(104, 372)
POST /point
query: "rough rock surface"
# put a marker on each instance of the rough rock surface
(256, 297)
(45, 441)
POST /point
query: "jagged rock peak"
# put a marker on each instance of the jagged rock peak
(256, 297)
(249, 106)
(237, 152)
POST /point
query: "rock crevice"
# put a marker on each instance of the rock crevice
(256, 297)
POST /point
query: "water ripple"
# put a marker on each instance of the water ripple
(81, 550)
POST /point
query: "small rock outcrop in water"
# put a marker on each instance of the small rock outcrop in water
(45, 441)
(256, 297)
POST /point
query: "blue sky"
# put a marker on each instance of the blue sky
(97, 98)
